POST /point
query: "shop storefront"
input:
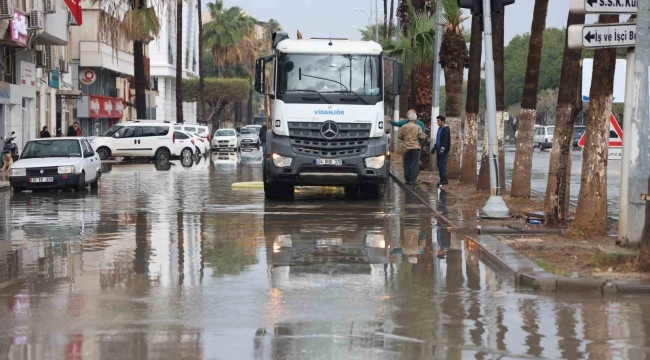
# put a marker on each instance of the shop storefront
(96, 113)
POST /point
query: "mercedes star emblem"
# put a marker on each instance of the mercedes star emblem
(329, 130)
(42, 171)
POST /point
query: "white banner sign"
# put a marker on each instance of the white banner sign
(598, 36)
(603, 6)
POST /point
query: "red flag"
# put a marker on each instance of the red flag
(75, 10)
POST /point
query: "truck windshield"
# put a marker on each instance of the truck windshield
(357, 75)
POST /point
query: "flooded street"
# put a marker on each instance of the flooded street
(175, 264)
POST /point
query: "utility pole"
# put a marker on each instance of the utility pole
(397, 97)
(376, 20)
(639, 133)
(630, 101)
(435, 100)
(495, 206)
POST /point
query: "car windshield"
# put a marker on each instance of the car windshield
(579, 129)
(328, 73)
(110, 132)
(225, 132)
(248, 131)
(51, 148)
(550, 130)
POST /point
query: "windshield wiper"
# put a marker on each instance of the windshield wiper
(311, 91)
(349, 92)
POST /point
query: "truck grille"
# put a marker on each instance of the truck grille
(306, 138)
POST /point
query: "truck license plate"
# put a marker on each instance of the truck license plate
(332, 162)
(41, 180)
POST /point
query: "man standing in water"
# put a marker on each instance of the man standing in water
(443, 144)
(411, 134)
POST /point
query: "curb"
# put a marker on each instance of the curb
(523, 272)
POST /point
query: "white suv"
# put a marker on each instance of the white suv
(138, 139)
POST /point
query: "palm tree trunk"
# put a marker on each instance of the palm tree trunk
(591, 215)
(386, 18)
(524, 151)
(179, 61)
(483, 183)
(556, 203)
(392, 15)
(201, 69)
(468, 168)
(140, 80)
(249, 108)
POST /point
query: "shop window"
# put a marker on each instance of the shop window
(20, 5)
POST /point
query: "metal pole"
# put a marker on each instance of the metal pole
(495, 206)
(397, 97)
(627, 146)
(435, 95)
(639, 132)
(376, 21)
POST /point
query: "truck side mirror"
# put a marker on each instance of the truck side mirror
(398, 78)
(259, 75)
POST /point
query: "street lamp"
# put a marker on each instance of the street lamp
(370, 20)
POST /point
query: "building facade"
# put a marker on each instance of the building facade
(163, 61)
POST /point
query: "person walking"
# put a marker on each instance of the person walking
(77, 129)
(262, 136)
(443, 144)
(411, 134)
(45, 133)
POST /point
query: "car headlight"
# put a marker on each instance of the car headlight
(67, 169)
(376, 162)
(281, 161)
(18, 172)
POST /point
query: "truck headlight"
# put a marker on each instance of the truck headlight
(66, 169)
(18, 172)
(376, 162)
(281, 161)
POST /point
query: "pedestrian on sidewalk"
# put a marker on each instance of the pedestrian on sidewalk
(262, 136)
(401, 123)
(45, 133)
(411, 134)
(443, 144)
(77, 128)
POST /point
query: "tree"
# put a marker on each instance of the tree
(368, 34)
(386, 29)
(468, 168)
(453, 60)
(219, 93)
(569, 104)
(179, 62)
(591, 215)
(524, 151)
(392, 16)
(140, 25)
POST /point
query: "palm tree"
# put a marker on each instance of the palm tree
(556, 203)
(468, 168)
(179, 61)
(591, 214)
(526, 124)
(140, 25)
(453, 60)
(386, 30)
(392, 17)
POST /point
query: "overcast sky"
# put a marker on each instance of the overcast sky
(316, 18)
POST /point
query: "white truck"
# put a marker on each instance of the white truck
(326, 125)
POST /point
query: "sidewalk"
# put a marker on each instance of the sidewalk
(554, 253)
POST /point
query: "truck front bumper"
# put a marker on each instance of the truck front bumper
(304, 171)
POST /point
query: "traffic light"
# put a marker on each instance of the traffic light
(474, 6)
(498, 5)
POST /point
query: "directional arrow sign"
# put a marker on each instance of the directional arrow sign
(598, 36)
(603, 6)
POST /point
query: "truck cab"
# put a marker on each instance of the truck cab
(326, 124)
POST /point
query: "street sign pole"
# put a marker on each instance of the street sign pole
(435, 101)
(630, 100)
(495, 206)
(393, 138)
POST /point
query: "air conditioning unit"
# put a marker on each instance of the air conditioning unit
(49, 6)
(40, 58)
(35, 20)
(6, 9)
(48, 65)
(71, 20)
(64, 67)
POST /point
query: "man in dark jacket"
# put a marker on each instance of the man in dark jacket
(262, 136)
(45, 133)
(443, 144)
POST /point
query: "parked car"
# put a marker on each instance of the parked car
(198, 143)
(201, 130)
(250, 137)
(226, 139)
(56, 163)
(137, 139)
(256, 127)
(206, 144)
(577, 134)
(184, 146)
(544, 136)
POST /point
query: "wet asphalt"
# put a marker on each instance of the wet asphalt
(175, 264)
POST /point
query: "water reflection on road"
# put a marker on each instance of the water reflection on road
(174, 263)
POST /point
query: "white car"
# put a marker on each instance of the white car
(137, 139)
(250, 137)
(184, 145)
(544, 136)
(206, 144)
(201, 130)
(226, 139)
(56, 163)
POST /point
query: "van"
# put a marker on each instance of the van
(138, 139)
(544, 136)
